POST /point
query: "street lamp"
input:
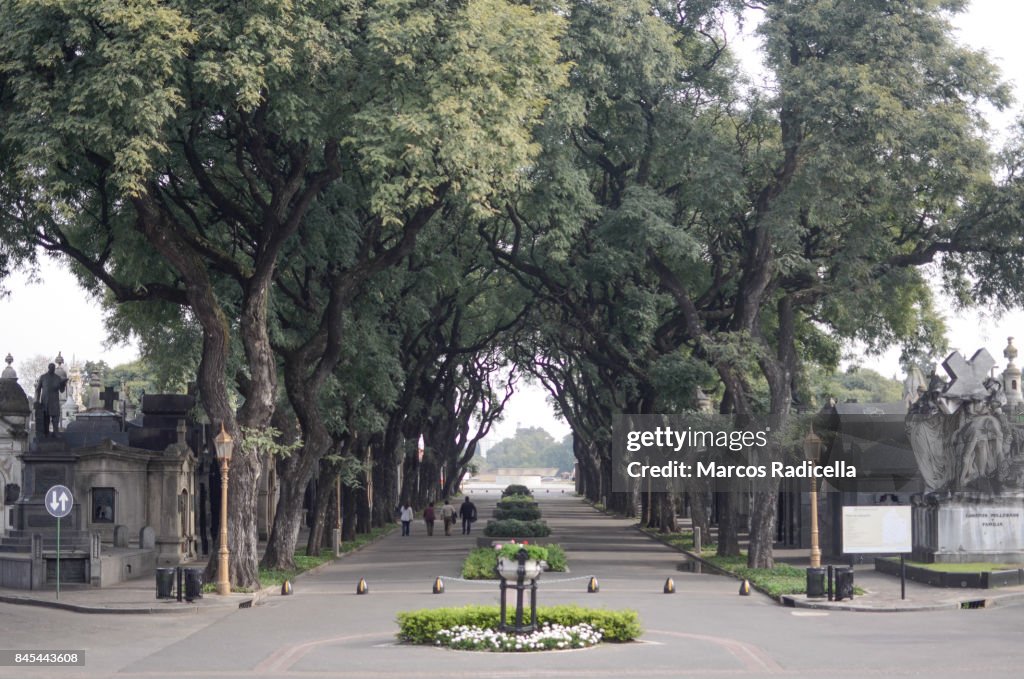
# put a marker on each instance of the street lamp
(224, 444)
(812, 451)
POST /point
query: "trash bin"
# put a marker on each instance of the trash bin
(164, 583)
(844, 583)
(815, 583)
(193, 583)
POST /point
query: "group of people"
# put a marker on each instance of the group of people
(466, 511)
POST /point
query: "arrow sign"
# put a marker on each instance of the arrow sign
(59, 501)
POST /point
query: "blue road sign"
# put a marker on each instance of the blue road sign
(59, 501)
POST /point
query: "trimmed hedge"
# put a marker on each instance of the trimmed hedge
(481, 562)
(516, 501)
(516, 489)
(513, 528)
(517, 511)
(421, 627)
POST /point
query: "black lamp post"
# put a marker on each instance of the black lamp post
(525, 569)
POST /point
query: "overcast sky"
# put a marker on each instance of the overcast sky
(55, 315)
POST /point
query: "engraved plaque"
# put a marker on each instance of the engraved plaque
(46, 477)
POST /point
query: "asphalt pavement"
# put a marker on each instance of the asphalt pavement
(704, 629)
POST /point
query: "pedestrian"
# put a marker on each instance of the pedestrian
(468, 513)
(448, 513)
(406, 517)
(428, 518)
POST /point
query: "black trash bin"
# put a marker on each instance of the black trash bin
(815, 583)
(193, 583)
(164, 583)
(844, 583)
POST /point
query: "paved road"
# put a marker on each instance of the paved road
(705, 629)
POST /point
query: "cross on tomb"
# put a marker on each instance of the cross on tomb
(108, 396)
(968, 377)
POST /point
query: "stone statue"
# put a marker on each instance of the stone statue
(960, 435)
(49, 387)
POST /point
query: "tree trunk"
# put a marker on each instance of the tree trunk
(349, 499)
(280, 550)
(728, 525)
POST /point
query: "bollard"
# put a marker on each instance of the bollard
(362, 588)
(592, 586)
(670, 586)
(745, 587)
(286, 588)
(438, 585)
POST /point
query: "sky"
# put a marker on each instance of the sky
(54, 314)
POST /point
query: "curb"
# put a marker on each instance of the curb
(256, 598)
(105, 610)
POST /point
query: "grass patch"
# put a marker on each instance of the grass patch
(778, 581)
(481, 562)
(421, 627)
(272, 577)
(971, 567)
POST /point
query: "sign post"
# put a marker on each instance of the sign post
(59, 502)
(883, 529)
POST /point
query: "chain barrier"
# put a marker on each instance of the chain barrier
(546, 581)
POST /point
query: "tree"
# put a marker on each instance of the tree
(186, 144)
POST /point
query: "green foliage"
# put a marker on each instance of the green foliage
(777, 581)
(516, 489)
(481, 562)
(530, 447)
(516, 500)
(512, 528)
(266, 440)
(862, 384)
(421, 627)
(274, 577)
(519, 512)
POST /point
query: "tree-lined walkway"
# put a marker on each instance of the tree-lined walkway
(325, 629)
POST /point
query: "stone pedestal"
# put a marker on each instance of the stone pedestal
(968, 527)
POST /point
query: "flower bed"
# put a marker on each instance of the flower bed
(481, 562)
(548, 638)
(426, 626)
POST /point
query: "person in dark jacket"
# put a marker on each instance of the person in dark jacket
(429, 517)
(468, 514)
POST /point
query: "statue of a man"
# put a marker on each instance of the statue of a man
(48, 389)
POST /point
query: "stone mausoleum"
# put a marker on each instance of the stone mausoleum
(133, 481)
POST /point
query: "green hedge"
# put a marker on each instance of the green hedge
(513, 528)
(481, 562)
(421, 627)
(517, 499)
(520, 512)
(515, 489)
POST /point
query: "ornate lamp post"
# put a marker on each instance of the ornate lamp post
(812, 451)
(224, 444)
(524, 568)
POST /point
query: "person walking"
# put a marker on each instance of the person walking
(428, 518)
(448, 513)
(406, 517)
(468, 513)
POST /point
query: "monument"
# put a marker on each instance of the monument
(971, 459)
(49, 387)
(14, 417)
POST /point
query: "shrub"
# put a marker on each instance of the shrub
(515, 489)
(481, 562)
(421, 627)
(517, 499)
(513, 528)
(520, 512)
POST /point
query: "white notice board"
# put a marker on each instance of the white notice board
(884, 529)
